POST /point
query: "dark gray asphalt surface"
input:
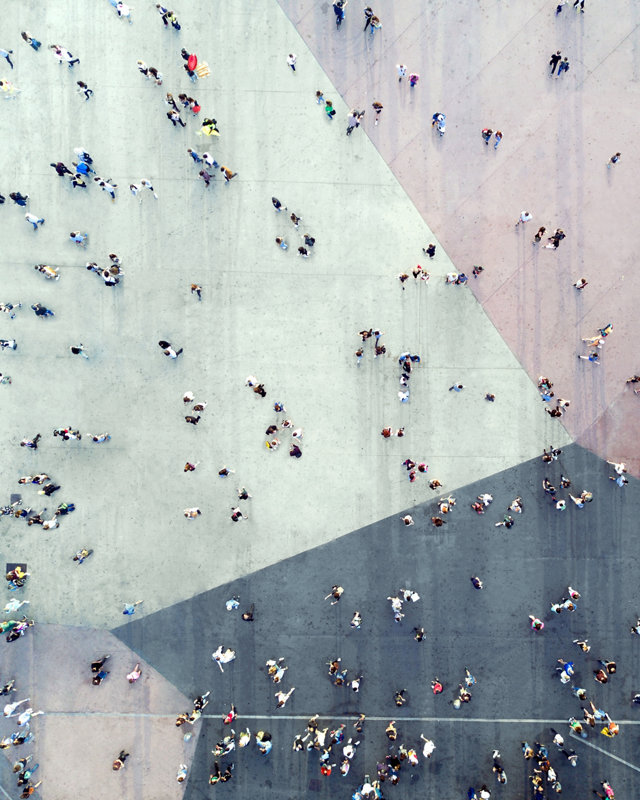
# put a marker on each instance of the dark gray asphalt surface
(524, 569)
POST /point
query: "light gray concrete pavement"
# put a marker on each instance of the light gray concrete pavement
(291, 322)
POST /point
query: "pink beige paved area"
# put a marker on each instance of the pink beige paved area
(484, 64)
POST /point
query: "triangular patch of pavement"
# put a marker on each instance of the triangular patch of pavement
(292, 322)
(469, 58)
(51, 666)
(524, 569)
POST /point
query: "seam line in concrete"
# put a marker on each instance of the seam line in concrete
(611, 755)
(304, 717)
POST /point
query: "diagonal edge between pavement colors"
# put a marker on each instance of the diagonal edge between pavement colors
(524, 569)
(290, 321)
(348, 475)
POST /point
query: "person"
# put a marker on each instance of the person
(79, 238)
(18, 198)
(613, 160)
(430, 250)
(31, 40)
(34, 219)
(438, 120)
(593, 357)
(118, 762)
(539, 234)
(399, 697)
(84, 89)
(282, 697)
(222, 656)
(47, 271)
(168, 350)
(524, 217)
(339, 10)
(228, 174)
(41, 311)
(606, 786)
(536, 624)
(336, 593)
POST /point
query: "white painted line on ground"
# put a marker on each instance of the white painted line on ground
(606, 753)
(305, 717)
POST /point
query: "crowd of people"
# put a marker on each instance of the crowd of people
(335, 748)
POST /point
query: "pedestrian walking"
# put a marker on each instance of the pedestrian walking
(498, 139)
(613, 160)
(206, 177)
(78, 350)
(554, 61)
(64, 56)
(291, 61)
(84, 89)
(374, 25)
(402, 71)
(175, 118)
(19, 199)
(6, 55)
(228, 174)
(168, 350)
(79, 238)
(42, 311)
(31, 40)
(540, 233)
(145, 183)
(34, 220)
(368, 16)
(563, 66)
(339, 10)
(524, 217)
(335, 593)
(438, 121)
(118, 763)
